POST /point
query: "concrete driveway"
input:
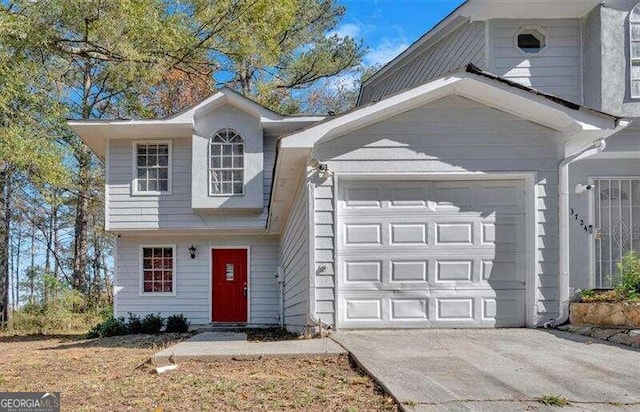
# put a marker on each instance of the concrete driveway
(501, 369)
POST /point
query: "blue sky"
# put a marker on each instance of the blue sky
(387, 27)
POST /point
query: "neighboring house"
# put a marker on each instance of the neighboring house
(447, 198)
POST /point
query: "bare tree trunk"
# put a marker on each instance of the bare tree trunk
(16, 282)
(5, 217)
(48, 238)
(83, 155)
(80, 246)
(32, 270)
(56, 241)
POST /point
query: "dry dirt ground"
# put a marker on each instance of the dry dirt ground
(112, 374)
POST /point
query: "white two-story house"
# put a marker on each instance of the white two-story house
(486, 171)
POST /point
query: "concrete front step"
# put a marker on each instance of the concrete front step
(209, 346)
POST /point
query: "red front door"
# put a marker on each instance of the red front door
(229, 285)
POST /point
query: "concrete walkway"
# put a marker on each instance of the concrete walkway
(209, 346)
(497, 369)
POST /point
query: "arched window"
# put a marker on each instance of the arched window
(634, 37)
(226, 163)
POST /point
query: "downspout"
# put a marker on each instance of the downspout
(281, 289)
(311, 242)
(563, 226)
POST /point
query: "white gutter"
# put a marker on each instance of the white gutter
(563, 226)
(311, 241)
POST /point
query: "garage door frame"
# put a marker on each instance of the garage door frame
(531, 213)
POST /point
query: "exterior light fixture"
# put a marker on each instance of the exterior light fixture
(192, 251)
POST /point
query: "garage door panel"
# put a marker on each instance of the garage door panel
(435, 308)
(362, 309)
(406, 272)
(409, 309)
(449, 196)
(505, 233)
(358, 234)
(407, 233)
(363, 271)
(431, 254)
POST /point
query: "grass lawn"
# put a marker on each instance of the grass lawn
(112, 374)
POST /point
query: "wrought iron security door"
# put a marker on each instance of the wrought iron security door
(616, 207)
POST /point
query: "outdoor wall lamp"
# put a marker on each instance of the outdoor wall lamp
(192, 251)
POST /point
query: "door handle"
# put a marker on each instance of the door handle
(244, 290)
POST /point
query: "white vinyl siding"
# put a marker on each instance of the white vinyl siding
(173, 211)
(294, 261)
(193, 277)
(555, 70)
(463, 46)
(450, 135)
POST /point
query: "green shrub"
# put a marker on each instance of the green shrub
(152, 323)
(177, 323)
(629, 270)
(610, 296)
(134, 323)
(110, 327)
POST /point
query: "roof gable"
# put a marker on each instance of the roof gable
(96, 131)
(470, 82)
(481, 10)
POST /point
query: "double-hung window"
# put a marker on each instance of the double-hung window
(226, 163)
(158, 269)
(152, 167)
(634, 52)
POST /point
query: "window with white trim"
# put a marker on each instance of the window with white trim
(152, 168)
(531, 41)
(226, 163)
(616, 220)
(158, 269)
(634, 52)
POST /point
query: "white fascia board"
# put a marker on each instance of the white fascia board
(580, 140)
(528, 105)
(289, 172)
(527, 9)
(94, 134)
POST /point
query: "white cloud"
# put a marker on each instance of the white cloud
(353, 30)
(385, 51)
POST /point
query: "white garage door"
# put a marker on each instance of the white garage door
(431, 254)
